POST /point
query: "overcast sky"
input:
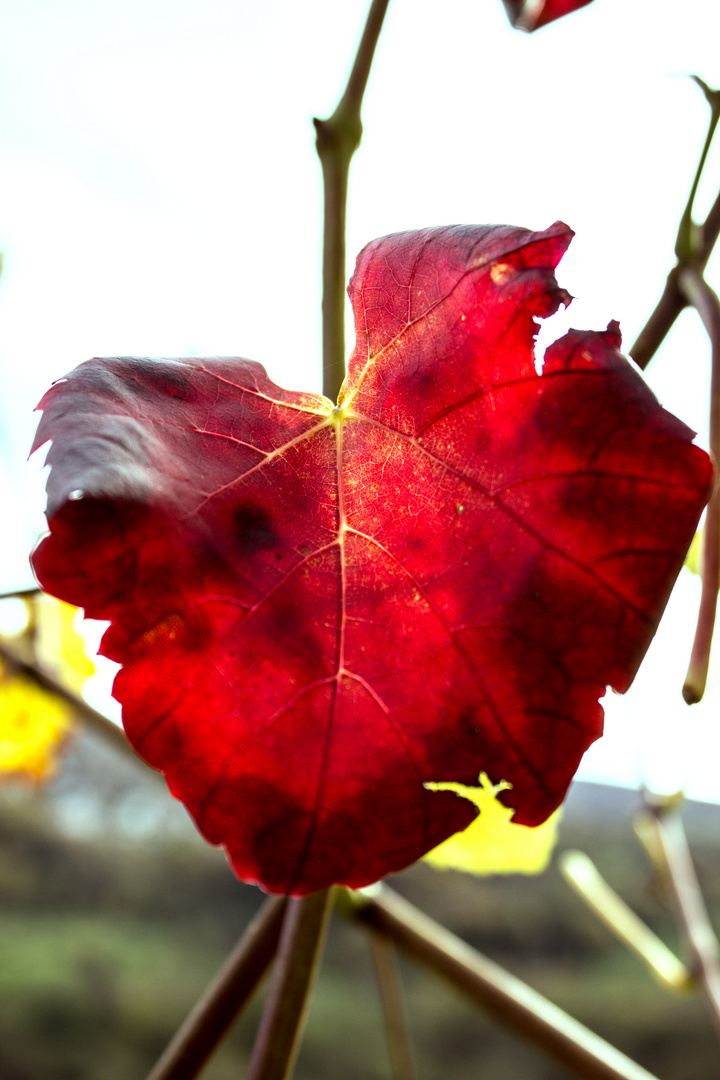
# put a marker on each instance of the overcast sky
(160, 195)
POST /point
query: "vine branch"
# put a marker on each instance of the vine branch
(580, 871)
(337, 139)
(668, 837)
(693, 247)
(384, 956)
(215, 1011)
(21, 594)
(505, 997)
(705, 300)
(278, 1037)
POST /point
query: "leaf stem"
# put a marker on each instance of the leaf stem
(508, 999)
(278, 1037)
(386, 966)
(705, 300)
(338, 138)
(665, 826)
(101, 723)
(209, 1020)
(580, 871)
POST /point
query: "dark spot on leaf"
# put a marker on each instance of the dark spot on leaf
(177, 382)
(254, 528)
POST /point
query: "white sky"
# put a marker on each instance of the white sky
(160, 195)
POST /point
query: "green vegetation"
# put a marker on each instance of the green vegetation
(105, 943)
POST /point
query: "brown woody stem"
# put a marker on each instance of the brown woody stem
(508, 999)
(710, 231)
(667, 832)
(693, 246)
(278, 1037)
(660, 323)
(386, 966)
(338, 138)
(706, 302)
(226, 995)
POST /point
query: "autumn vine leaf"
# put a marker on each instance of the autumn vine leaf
(321, 608)
(532, 14)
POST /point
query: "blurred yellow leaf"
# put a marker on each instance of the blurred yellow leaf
(58, 645)
(692, 559)
(34, 724)
(492, 844)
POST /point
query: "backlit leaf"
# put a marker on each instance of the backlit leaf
(493, 843)
(532, 14)
(320, 608)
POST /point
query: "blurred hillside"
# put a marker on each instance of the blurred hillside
(114, 915)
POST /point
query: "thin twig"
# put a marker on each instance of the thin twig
(278, 1037)
(508, 999)
(338, 138)
(689, 235)
(665, 824)
(20, 594)
(232, 987)
(386, 966)
(693, 246)
(669, 306)
(580, 871)
(710, 231)
(101, 723)
(706, 302)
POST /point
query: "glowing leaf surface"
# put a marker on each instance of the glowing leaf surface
(532, 14)
(318, 609)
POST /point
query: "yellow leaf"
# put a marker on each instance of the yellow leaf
(692, 559)
(58, 644)
(492, 844)
(33, 726)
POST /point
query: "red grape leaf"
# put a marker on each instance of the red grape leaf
(319, 609)
(532, 14)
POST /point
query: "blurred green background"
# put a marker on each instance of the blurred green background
(114, 916)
